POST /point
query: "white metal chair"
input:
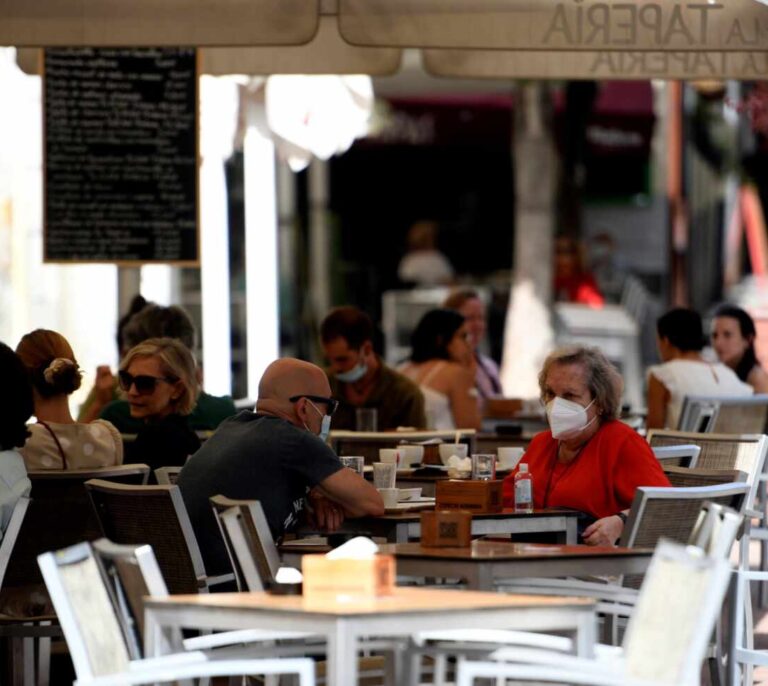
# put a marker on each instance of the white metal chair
(98, 647)
(724, 415)
(167, 475)
(666, 638)
(677, 455)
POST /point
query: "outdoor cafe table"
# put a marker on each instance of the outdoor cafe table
(344, 620)
(485, 562)
(400, 527)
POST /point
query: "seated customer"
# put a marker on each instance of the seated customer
(159, 381)
(359, 377)
(16, 407)
(733, 338)
(680, 337)
(442, 363)
(468, 304)
(278, 456)
(152, 321)
(588, 460)
(57, 441)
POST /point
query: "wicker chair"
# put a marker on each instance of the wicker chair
(154, 515)
(714, 414)
(681, 477)
(677, 455)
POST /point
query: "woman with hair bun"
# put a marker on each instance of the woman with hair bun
(57, 441)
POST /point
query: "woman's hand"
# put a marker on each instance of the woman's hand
(605, 531)
(104, 385)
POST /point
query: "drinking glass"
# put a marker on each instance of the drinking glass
(354, 462)
(483, 467)
(366, 419)
(384, 474)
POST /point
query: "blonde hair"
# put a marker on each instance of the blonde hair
(603, 379)
(176, 362)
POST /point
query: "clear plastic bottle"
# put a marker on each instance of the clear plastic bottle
(523, 489)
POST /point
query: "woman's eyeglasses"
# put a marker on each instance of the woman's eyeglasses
(145, 384)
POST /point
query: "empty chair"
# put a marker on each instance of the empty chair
(249, 541)
(681, 477)
(666, 638)
(89, 617)
(724, 415)
(677, 455)
(154, 515)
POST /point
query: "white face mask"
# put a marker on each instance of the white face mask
(567, 418)
(325, 424)
(355, 374)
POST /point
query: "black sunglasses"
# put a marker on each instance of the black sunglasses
(330, 403)
(145, 384)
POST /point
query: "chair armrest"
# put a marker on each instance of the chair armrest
(229, 638)
(221, 579)
(521, 638)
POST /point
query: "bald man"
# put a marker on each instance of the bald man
(277, 455)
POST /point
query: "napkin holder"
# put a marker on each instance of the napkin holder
(475, 496)
(446, 529)
(367, 577)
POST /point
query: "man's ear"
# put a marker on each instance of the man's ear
(367, 349)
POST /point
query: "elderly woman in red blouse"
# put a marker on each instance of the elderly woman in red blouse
(588, 460)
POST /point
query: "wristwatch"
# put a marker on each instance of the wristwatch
(622, 516)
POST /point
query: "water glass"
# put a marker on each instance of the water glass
(366, 419)
(354, 462)
(384, 474)
(483, 467)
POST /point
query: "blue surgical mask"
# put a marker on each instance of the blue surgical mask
(325, 424)
(355, 374)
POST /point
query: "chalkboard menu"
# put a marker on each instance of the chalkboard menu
(121, 155)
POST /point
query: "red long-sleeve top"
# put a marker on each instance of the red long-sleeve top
(600, 481)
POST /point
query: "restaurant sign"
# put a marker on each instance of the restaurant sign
(628, 64)
(697, 26)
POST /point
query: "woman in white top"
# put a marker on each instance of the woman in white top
(680, 337)
(15, 409)
(57, 440)
(442, 363)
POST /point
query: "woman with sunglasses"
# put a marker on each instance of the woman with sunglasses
(57, 441)
(443, 365)
(159, 380)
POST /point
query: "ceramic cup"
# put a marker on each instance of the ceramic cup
(448, 449)
(411, 455)
(389, 455)
(509, 457)
(390, 496)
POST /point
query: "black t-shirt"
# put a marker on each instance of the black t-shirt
(164, 443)
(252, 457)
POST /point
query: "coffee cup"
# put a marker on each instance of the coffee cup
(411, 455)
(509, 457)
(390, 496)
(448, 449)
(389, 455)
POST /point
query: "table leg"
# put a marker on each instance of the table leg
(571, 531)
(157, 639)
(401, 533)
(342, 655)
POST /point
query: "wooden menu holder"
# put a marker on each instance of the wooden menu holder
(475, 496)
(446, 529)
(324, 578)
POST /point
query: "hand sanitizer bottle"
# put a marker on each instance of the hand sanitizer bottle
(523, 489)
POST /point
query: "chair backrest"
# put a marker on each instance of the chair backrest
(745, 452)
(251, 540)
(131, 573)
(59, 515)
(221, 504)
(672, 623)
(681, 477)
(368, 443)
(11, 534)
(717, 414)
(677, 455)
(167, 475)
(86, 614)
(672, 512)
(716, 530)
(156, 516)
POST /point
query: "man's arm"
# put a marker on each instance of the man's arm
(356, 495)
